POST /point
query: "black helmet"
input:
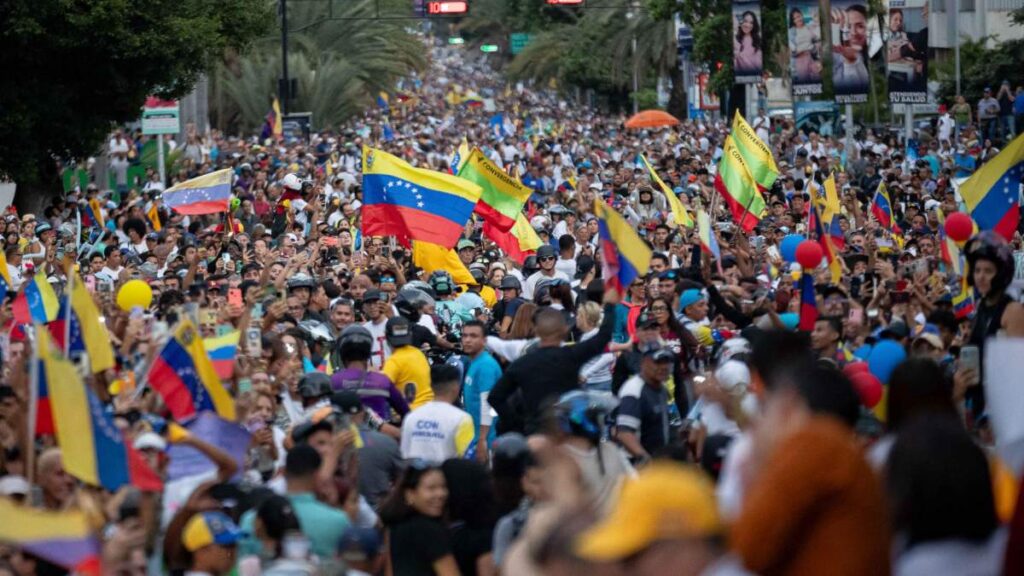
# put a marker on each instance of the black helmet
(355, 341)
(398, 332)
(990, 246)
(546, 251)
(530, 266)
(315, 385)
(406, 308)
(583, 413)
(510, 282)
(441, 282)
(478, 276)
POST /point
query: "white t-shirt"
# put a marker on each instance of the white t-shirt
(536, 277)
(381, 350)
(436, 432)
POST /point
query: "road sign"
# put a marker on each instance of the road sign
(564, 2)
(518, 41)
(456, 41)
(161, 116)
(489, 48)
(449, 8)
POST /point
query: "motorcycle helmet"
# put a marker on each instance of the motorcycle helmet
(441, 282)
(583, 413)
(292, 182)
(511, 283)
(990, 246)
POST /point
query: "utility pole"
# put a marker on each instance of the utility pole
(284, 87)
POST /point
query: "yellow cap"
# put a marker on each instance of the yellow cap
(667, 501)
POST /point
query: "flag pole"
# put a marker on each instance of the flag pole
(33, 400)
(746, 210)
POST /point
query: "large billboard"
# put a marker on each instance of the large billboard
(849, 27)
(747, 42)
(906, 53)
(815, 116)
(804, 46)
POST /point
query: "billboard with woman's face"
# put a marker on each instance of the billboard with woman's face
(805, 52)
(849, 26)
(747, 43)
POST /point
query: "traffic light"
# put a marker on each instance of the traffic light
(564, 2)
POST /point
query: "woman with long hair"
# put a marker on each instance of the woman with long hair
(747, 45)
(803, 41)
(418, 541)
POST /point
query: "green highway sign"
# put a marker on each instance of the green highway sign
(518, 41)
(456, 41)
(489, 48)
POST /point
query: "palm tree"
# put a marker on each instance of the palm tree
(341, 58)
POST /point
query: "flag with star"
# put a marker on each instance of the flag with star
(992, 194)
(414, 203)
(185, 378)
(206, 194)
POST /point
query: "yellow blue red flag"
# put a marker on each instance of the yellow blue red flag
(992, 194)
(624, 255)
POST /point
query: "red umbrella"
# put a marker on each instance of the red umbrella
(652, 119)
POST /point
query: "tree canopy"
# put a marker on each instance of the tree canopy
(73, 68)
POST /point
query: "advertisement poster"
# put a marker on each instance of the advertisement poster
(906, 53)
(817, 117)
(804, 47)
(708, 99)
(747, 43)
(849, 27)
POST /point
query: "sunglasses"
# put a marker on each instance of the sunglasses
(545, 259)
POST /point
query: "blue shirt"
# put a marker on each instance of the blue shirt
(322, 524)
(1018, 104)
(482, 373)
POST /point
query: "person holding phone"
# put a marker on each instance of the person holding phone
(990, 269)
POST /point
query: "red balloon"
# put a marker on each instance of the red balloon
(959, 227)
(809, 254)
(854, 368)
(868, 387)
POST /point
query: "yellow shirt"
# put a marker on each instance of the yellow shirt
(408, 368)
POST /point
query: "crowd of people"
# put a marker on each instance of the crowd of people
(535, 420)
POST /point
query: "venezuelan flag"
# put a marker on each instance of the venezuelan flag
(37, 302)
(153, 215)
(64, 538)
(5, 277)
(992, 194)
(755, 152)
(206, 194)
(460, 156)
(78, 337)
(94, 212)
(185, 378)
(94, 449)
(519, 242)
(830, 213)
(881, 207)
(680, 215)
(624, 254)
(808, 301)
(414, 203)
(222, 351)
(738, 187)
(708, 241)
(823, 240)
(384, 101)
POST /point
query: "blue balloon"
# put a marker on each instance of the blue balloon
(788, 246)
(790, 320)
(863, 352)
(884, 358)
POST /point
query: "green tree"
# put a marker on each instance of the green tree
(341, 58)
(74, 68)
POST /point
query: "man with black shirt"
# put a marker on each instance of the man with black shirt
(643, 419)
(545, 373)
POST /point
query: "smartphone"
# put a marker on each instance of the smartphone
(235, 297)
(225, 257)
(856, 316)
(331, 241)
(254, 342)
(756, 242)
(970, 357)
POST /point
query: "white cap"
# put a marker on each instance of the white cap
(734, 376)
(14, 486)
(150, 441)
(931, 204)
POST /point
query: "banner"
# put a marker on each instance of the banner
(708, 99)
(804, 46)
(816, 116)
(850, 79)
(906, 52)
(747, 42)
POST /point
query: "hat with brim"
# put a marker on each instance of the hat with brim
(667, 501)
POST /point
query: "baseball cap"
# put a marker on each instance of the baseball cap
(463, 244)
(398, 332)
(689, 298)
(372, 295)
(14, 485)
(897, 329)
(347, 401)
(645, 320)
(659, 354)
(150, 441)
(209, 528)
(666, 501)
